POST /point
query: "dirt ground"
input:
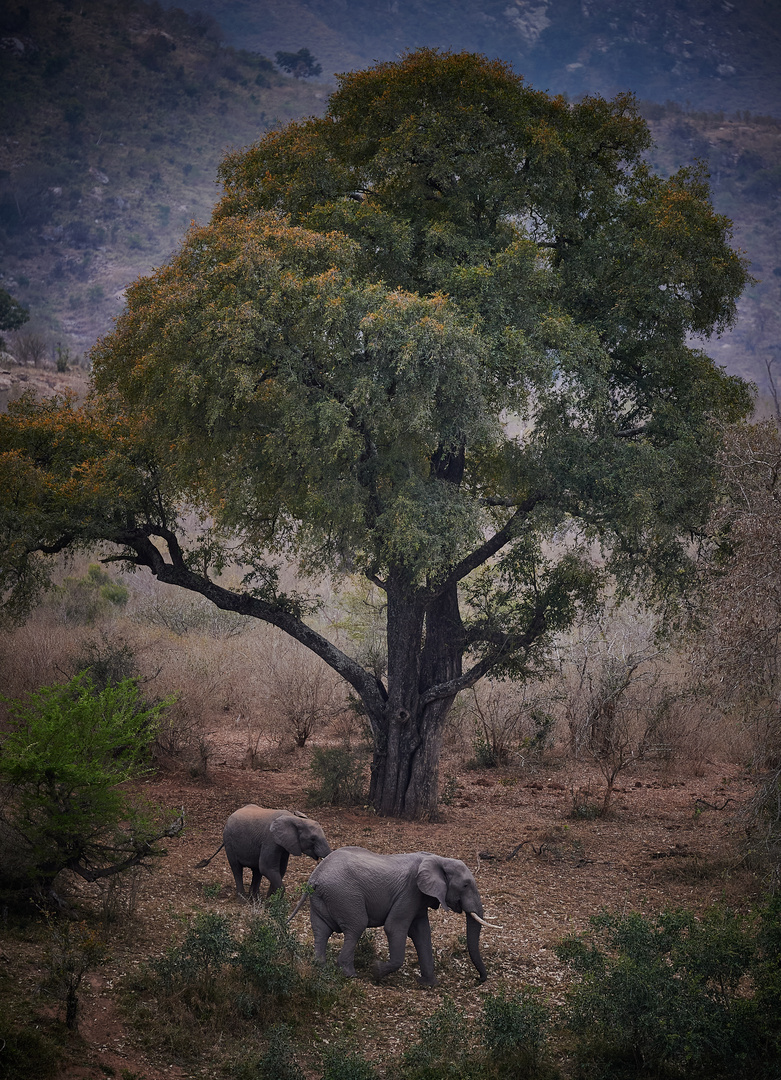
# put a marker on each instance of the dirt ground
(671, 840)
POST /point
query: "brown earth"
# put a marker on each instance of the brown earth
(671, 840)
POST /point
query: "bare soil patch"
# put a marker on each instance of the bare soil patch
(671, 840)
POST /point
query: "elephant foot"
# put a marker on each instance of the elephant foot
(379, 971)
(427, 983)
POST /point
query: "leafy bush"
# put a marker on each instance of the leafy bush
(341, 774)
(339, 1063)
(274, 964)
(28, 1053)
(443, 1049)
(65, 753)
(669, 996)
(278, 1062)
(515, 1029)
(301, 64)
(83, 600)
(216, 979)
(194, 966)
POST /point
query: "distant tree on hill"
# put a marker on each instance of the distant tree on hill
(12, 314)
(438, 338)
(301, 64)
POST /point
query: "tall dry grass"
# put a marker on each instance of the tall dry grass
(245, 689)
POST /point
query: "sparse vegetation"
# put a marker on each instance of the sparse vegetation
(341, 777)
(220, 977)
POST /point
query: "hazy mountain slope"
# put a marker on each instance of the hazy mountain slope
(115, 117)
(712, 54)
(743, 154)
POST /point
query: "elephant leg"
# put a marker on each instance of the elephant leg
(274, 880)
(238, 876)
(254, 889)
(397, 947)
(346, 959)
(321, 931)
(420, 932)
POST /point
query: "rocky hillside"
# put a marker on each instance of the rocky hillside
(704, 54)
(116, 114)
(743, 155)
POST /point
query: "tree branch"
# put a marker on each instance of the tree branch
(494, 544)
(178, 573)
(144, 851)
(511, 643)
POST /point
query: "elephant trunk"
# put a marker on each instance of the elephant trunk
(473, 928)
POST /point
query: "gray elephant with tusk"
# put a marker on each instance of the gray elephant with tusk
(264, 840)
(354, 889)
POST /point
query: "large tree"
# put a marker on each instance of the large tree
(439, 337)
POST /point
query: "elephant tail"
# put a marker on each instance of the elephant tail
(304, 896)
(205, 862)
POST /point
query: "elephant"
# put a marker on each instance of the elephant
(264, 840)
(355, 888)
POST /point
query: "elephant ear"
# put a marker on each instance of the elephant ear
(285, 831)
(431, 879)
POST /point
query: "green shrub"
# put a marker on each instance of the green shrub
(278, 1062)
(28, 1053)
(63, 757)
(443, 1049)
(340, 771)
(669, 996)
(195, 965)
(515, 1029)
(83, 600)
(220, 979)
(339, 1063)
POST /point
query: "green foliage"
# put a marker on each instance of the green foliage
(275, 965)
(339, 1063)
(443, 1048)
(12, 314)
(668, 996)
(65, 753)
(85, 599)
(515, 1028)
(486, 755)
(340, 772)
(194, 967)
(278, 1062)
(28, 1053)
(217, 979)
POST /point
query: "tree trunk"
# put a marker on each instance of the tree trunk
(424, 650)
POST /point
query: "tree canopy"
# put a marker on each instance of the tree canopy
(439, 337)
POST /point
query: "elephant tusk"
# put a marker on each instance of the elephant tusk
(482, 922)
